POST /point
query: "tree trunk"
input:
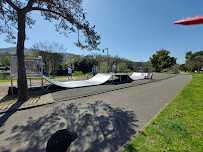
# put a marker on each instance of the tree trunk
(22, 82)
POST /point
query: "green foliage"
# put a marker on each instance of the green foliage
(122, 67)
(73, 59)
(188, 55)
(194, 62)
(77, 73)
(162, 60)
(179, 126)
(4, 76)
(129, 71)
(103, 67)
(6, 62)
(173, 69)
(85, 63)
(51, 55)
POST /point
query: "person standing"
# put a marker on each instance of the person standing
(93, 70)
(151, 75)
(70, 73)
(141, 70)
(40, 65)
(114, 68)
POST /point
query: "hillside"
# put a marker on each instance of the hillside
(12, 50)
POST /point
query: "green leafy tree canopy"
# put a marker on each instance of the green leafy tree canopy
(6, 62)
(162, 60)
(194, 61)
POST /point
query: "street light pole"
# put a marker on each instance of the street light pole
(107, 59)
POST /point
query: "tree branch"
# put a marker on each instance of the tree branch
(46, 10)
(29, 5)
(48, 1)
(12, 5)
(68, 17)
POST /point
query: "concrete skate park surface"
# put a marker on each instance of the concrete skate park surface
(104, 122)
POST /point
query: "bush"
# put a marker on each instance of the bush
(129, 71)
(77, 73)
(122, 67)
(4, 76)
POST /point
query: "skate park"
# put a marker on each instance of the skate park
(106, 110)
(99, 114)
(87, 105)
(106, 114)
(123, 76)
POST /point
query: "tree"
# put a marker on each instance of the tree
(51, 54)
(103, 67)
(122, 67)
(194, 61)
(16, 14)
(162, 60)
(86, 63)
(188, 55)
(57, 59)
(6, 62)
(72, 60)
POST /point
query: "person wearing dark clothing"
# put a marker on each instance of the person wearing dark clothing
(93, 70)
(61, 141)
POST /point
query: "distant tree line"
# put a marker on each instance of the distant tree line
(53, 63)
(53, 56)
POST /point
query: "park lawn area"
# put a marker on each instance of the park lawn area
(179, 126)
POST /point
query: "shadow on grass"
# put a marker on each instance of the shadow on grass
(100, 128)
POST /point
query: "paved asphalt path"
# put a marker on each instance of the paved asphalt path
(104, 122)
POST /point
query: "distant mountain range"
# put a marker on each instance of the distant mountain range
(12, 50)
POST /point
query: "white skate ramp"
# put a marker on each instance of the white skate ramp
(96, 80)
(137, 76)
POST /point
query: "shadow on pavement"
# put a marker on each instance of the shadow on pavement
(99, 126)
(13, 109)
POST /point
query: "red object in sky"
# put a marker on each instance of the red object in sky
(190, 20)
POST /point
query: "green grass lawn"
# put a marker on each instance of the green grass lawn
(179, 126)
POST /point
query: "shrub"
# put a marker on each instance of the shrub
(77, 73)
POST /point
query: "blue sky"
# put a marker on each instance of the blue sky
(132, 29)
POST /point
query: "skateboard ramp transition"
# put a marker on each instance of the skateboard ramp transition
(98, 79)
